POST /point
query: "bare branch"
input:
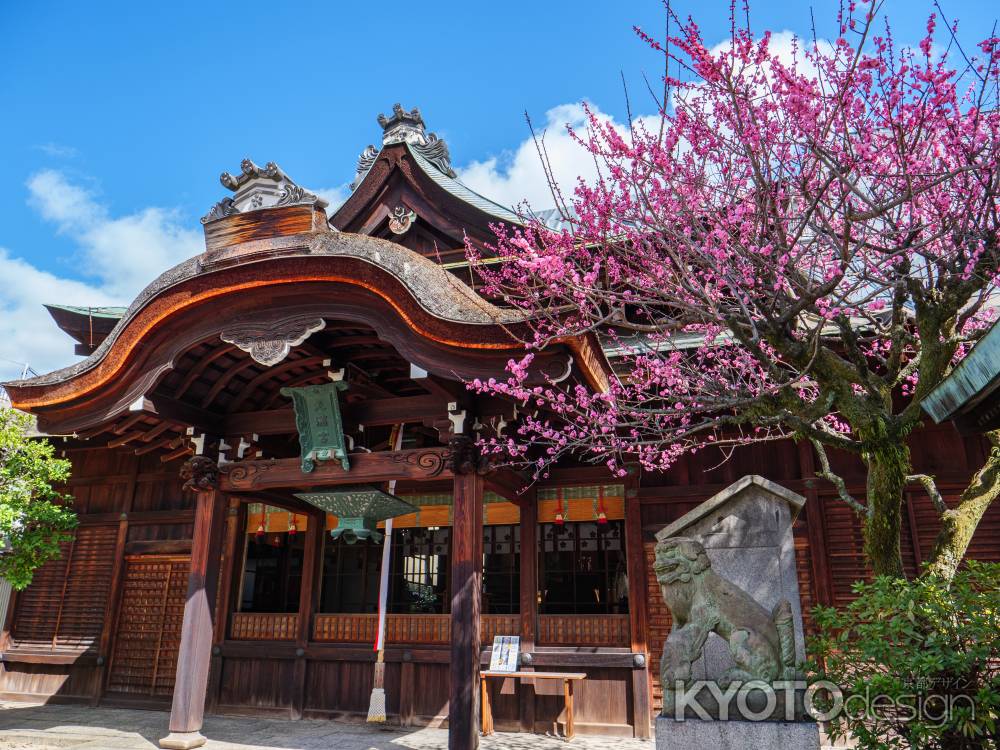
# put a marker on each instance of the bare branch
(827, 473)
(932, 491)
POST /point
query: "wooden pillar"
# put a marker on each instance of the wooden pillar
(312, 562)
(635, 565)
(188, 709)
(466, 577)
(528, 603)
(232, 558)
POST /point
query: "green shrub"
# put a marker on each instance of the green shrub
(929, 646)
(34, 516)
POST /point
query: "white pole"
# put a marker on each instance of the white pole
(383, 584)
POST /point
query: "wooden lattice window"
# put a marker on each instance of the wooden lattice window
(144, 661)
(65, 605)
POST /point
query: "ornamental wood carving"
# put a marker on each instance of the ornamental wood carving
(416, 464)
(269, 341)
(200, 474)
(464, 456)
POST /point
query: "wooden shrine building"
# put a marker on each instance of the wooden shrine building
(199, 579)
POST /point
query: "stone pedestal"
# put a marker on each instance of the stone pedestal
(183, 741)
(695, 734)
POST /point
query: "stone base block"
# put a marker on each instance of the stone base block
(183, 740)
(696, 734)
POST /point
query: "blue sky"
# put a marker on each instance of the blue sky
(120, 116)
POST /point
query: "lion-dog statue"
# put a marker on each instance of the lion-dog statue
(702, 602)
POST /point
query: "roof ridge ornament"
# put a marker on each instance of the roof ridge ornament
(260, 187)
(406, 127)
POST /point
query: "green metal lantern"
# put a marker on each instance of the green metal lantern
(318, 421)
(358, 508)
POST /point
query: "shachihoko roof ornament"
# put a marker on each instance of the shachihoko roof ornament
(358, 508)
(407, 127)
(260, 187)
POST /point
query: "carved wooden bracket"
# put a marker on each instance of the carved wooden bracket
(200, 473)
(464, 456)
(269, 341)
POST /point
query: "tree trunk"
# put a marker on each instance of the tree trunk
(888, 467)
(958, 524)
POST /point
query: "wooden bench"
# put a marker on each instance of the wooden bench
(567, 678)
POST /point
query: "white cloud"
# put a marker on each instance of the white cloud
(57, 150)
(124, 253)
(517, 175)
(118, 256)
(335, 196)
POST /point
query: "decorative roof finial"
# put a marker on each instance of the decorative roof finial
(406, 127)
(403, 126)
(257, 187)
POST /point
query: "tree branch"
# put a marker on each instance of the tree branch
(935, 495)
(827, 473)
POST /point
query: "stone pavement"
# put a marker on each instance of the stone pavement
(25, 726)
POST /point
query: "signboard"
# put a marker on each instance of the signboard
(505, 652)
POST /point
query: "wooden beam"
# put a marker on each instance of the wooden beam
(187, 711)
(377, 412)
(413, 464)
(172, 410)
(508, 484)
(466, 578)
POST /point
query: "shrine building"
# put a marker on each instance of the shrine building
(240, 433)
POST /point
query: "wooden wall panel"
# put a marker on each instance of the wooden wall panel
(257, 683)
(431, 697)
(603, 702)
(32, 682)
(64, 607)
(339, 687)
(144, 657)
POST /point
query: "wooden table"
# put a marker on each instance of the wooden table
(567, 677)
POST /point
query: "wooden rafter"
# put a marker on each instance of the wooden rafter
(201, 366)
(273, 372)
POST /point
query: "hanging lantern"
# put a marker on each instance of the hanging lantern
(358, 508)
(292, 528)
(602, 517)
(560, 516)
(259, 534)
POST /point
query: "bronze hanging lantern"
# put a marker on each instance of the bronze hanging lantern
(358, 508)
(318, 421)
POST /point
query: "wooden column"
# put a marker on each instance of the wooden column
(188, 709)
(528, 603)
(312, 563)
(232, 558)
(635, 565)
(466, 577)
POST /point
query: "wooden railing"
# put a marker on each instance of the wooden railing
(553, 630)
(583, 630)
(430, 629)
(254, 626)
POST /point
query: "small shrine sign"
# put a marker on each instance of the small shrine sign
(505, 652)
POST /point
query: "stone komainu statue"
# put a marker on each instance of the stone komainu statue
(702, 602)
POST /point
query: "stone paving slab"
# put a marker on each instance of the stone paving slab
(26, 726)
